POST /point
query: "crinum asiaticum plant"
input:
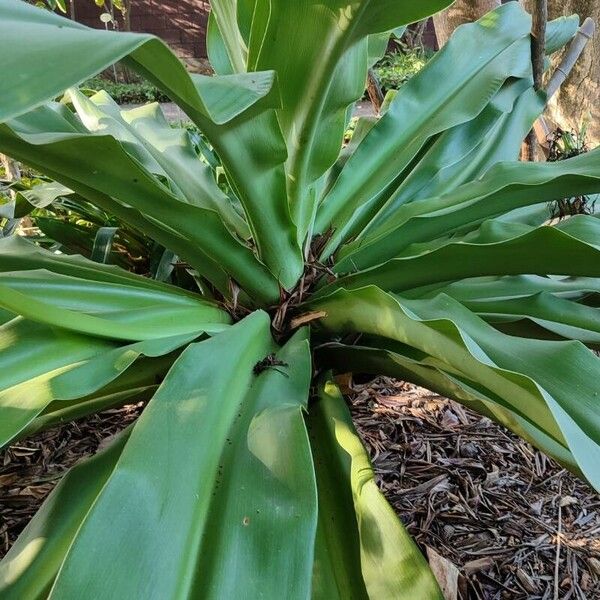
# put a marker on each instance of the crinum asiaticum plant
(421, 250)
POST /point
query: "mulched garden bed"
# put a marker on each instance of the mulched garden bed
(515, 524)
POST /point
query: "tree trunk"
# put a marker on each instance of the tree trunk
(11, 168)
(374, 90)
(538, 57)
(578, 100)
(462, 11)
(127, 15)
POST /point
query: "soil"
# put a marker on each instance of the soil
(515, 524)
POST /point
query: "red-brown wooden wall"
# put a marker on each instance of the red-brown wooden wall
(180, 23)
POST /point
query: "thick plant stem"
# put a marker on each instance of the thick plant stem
(584, 35)
(538, 54)
(540, 20)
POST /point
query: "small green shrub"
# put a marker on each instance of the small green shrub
(127, 93)
(397, 68)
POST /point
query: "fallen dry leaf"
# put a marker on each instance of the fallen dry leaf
(445, 572)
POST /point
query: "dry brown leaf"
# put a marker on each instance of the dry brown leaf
(344, 382)
(446, 573)
(307, 318)
(480, 564)
(526, 581)
(568, 501)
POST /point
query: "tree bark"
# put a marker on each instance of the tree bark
(127, 15)
(374, 90)
(538, 56)
(578, 100)
(11, 168)
(462, 11)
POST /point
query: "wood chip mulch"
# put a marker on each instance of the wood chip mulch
(514, 523)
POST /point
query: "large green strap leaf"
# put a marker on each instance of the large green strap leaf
(506, 187)
(42, 365)
(459, 155)
(496, 252)
(30, 566)
(71, 296)
(437, 170)
(514, 303)
(99, 168)
(435, 344)
(467, 151)
(464, 153)
(214, 492)
(149, 224)
(39, 196)
(87, 51)
(217, 50)
(361, 128)
(559, 32)
(249, 141)
(227, 45)
(567, 319)
(482, 56)
(321, 70)
(162, 149)
(314, 101)
(80, 293)
(362, 549)
(235, 112)
(105, 310)
(550, 384)
(566, 371)
(18, 254)
(269, 457)
(517, 286)
(253, 153)
(31, 349)
(131, 386)
(502, 143)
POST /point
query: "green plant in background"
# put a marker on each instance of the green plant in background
(126, 93)
(61, 5)
(420, 250)
(563, 145)
(64, 222)
(52, 5)
(567, 144)
(71, 225)
(396, 68)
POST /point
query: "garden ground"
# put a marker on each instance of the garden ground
(514, 523)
